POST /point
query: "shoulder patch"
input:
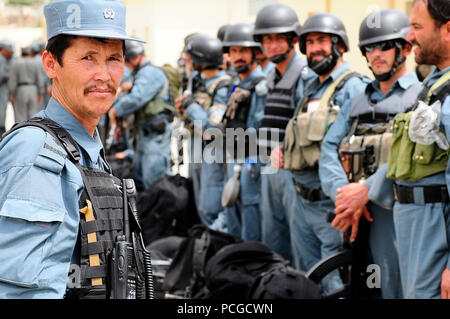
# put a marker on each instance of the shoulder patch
(52, 156)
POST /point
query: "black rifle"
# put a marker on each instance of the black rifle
(123, 272)
(354, 256)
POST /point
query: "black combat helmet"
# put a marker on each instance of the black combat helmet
(329, 24)
(222, 30)
(205, 51)
(133, 49)
(241, 35)
(382, 26)
(277, 18)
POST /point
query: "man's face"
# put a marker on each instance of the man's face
(275, 44)
(90, 74)
(426, 37)
(380, 61)
(7, 54)
(318, 47)
(240, 56)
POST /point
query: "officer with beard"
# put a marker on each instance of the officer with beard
(324, 40)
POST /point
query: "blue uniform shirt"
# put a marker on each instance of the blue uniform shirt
(314, 89)
(331, 173)
(39, 213)
(269, 67)
(148, 83)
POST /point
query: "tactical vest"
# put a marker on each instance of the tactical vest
(306, 130)
(413, 161)
(205, 97)
(366, 146)
(154, 107)
(235, 118)
(113, 260)
(280, 105)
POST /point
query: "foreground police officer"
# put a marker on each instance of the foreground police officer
(418, 169)
(324, 40)
(245, 110)
(148, 100)
(204, 110)
(43, 182)
(277, 28)
(367, 121)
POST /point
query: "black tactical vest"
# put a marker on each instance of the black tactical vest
(280, 104)
(236, 116)
(106, 237)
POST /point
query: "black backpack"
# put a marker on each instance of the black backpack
(233, 270)
(167, 208)
(186, 275)
(284, 283)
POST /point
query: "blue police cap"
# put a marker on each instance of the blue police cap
(89, 18)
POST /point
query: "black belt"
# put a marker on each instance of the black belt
(421, 195)
(313, 195)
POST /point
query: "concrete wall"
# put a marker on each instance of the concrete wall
(164, 24)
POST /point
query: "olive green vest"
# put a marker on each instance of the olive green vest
(306, 130)
(413, 161)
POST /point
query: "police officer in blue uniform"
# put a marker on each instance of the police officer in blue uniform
(277, 28)
(245, 110)
(324, 40)
(148, 100)
(204, 110)
(419, 195)
(40, 187)
(385, 49)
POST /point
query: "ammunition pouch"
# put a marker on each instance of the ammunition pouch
(303, 138)
(413, 161)
(361, 155)
(306, 130)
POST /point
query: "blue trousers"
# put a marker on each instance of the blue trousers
(315, 238)
(152, 157)
(422, 233)
(212, 178)
(244, 218)
(382, 244)
(278, 198)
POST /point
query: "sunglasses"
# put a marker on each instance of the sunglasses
(382, 46)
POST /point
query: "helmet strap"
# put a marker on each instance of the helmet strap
(329, 62)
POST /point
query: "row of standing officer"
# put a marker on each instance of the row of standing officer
(300, 106)
(24, 82)
(407, 196)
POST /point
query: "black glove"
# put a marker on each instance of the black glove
(188, 100)
(159, 126)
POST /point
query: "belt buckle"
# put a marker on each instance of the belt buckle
(394, 188)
